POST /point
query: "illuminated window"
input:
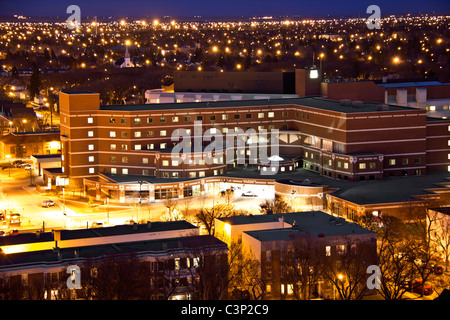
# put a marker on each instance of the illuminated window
(362, 165)
(145, 160)
(137, 134)
(90, 120)
(201, 174)
(91, 147)
(163, 133)
(225, 117)
(174, 119)
(137, 120)
(314, 74)
(260, 115)
(137, 147)
(270, 114)
(328, 251)
(91, 170)
(112, 134)
(165, 163)
(392, 162)
(91, 158)
(90, 133)
(124, 171)
(113, 170)
(113, 147)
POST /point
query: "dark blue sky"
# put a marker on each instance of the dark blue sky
(185, 8)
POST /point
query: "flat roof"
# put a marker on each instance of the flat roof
(50, 257)
(388, 190)
(78, 92)
(156, 226)
(314, 102)
(412, 84)
(444, 210)
(46, 156)
(310, 223)
(28, 237)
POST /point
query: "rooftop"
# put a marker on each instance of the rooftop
(50, 257)
(388, 190)
(314, 102)
(78, 92)
(310, 223)
(156, 226)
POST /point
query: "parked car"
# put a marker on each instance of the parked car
(248, 194)
(28, 167)
(2, 233)
(417, 288)
(13, 232)
(14, 219)
(47, 203)
(437, 269)
(18, 163)
(97, 225)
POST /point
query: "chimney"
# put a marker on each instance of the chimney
(149, 224)
(38, 235)
(76, 253)
(135, 226)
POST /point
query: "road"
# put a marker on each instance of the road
(71, 212)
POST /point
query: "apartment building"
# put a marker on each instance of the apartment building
(163, 263)
(273, 240)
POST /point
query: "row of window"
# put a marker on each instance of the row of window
(175, 119)
(146, 172)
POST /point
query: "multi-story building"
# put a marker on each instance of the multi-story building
(162, 259)
(272, 238)
(340, 139)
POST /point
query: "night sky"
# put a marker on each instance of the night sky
(220, 8)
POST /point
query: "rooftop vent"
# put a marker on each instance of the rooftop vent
(149, 225)
(346, 102)
(382, 107)
(357, 103)
(135, 226)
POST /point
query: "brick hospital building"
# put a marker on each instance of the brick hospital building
(116, 150)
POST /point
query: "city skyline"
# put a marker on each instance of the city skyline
(201, 8)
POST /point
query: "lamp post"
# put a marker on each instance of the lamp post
(8, 156)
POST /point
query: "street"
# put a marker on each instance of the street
(70, 211)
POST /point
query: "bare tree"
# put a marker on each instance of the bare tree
(303, 265)
(245, 280)
(395, 267)
(208, 215)
(347, 270)
(277, 205)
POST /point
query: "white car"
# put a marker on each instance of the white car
(248, 194)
